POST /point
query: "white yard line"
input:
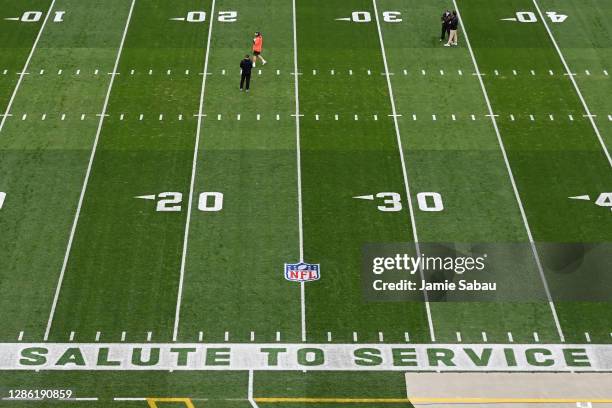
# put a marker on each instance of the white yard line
(193, 176)
(25, 67)
(511, 175)
(299, 169)
(250, 390)
(571, 77)
(87, 174)
(432, 333)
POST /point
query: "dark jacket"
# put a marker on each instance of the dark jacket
(446, 16)
(246, 65)
(454, 23)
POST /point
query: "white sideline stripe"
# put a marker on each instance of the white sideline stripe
(194, 165)
(514, 187)
(25, 66)
(250, 391)
(129, 399)
(567, 69)
(404, 170)
(86, 180)
(298, 158)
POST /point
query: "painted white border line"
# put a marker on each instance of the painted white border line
(298, 158)
(25, 67)
(432, 333)
(511, 175)
(87, 174)
(193, 176)
(250, 390)
(571, 77)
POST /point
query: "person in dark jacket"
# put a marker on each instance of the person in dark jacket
(452, 26)
(246, 65)
(445, 20)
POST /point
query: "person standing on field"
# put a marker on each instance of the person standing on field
(245, 76)
(452, 26)
(445, 20)
(258, 48)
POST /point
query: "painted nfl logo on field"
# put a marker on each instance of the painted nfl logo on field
(302, 272)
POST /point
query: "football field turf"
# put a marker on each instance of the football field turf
(148, 206)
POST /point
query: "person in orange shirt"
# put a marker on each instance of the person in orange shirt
(257, 48)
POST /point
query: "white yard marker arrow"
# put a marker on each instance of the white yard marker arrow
(343, 19)
(147, 197)
(581, 197)
(365, 197)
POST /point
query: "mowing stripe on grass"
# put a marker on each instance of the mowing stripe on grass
(25, 67)
(511, 175)
(430, 324)
(574, 83)
(87, 174)
(192, 182)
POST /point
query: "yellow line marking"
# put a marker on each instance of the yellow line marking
(417, 400)
(153, 401)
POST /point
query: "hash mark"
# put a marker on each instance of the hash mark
(71, 336)
(141, 116)
(510, 338)
(369, 72)
(238, 117)
(258, 116)
(441, 72)
(459, 337)
(59, 72)
(381, 337)
(414, 116)
(473, 116)
(180, 116)
(407, 337)
(219, 116)
(484, 336)
(149, 336)
(168, 72)
(316, 117)
(123, 336)
(605, 72)
(226, 336)
(433, 117)
(355, 336)
(201, 336)
(514, 72)
(42, 71)
(20, 336)
(44, 116)
(329, 336)
(588, 337)
(356, 117)
(186, 72)
(423, 72)
(375, 117)
(496, 73)
(150, 72)
(96, 72)
(551, 72)
(5, 72)
(460, 72)
(63, 117)
(587, 72)
(551, 116)
(132, 72)
(531, 117)
(532, 72)
(78, 72)
(98, 336)
(336, 116)
(405, 72)
(453, 116)
(25, 115)
(252, 336)
(278, 336)
(121, 116)
(571, 117)
(82, 116)
(536, 337)
(161, 116)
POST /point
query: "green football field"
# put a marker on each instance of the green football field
(145, 200)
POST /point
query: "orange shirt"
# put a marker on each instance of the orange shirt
(258, 43)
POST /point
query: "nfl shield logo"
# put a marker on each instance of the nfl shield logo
(302, 272)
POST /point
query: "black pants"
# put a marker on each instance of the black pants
(246, 77)
(445, 30)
